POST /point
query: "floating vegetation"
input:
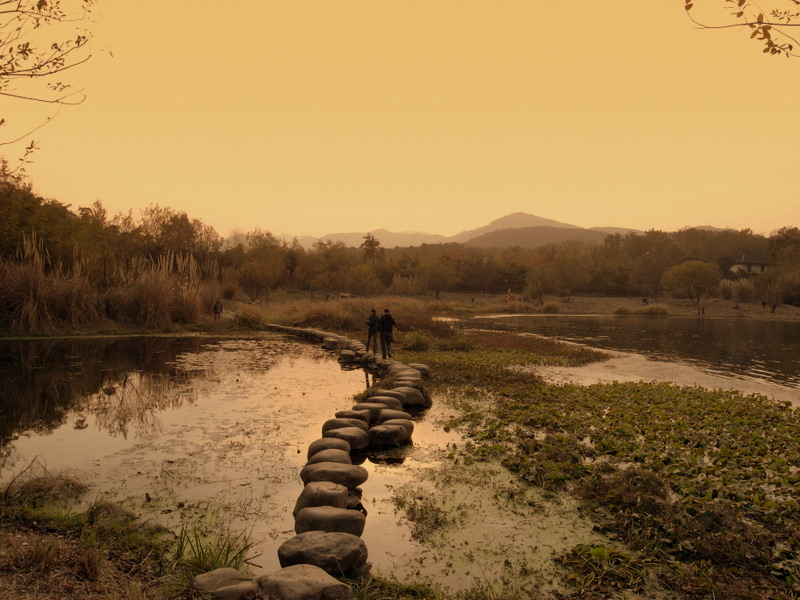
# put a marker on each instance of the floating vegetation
(701, 488)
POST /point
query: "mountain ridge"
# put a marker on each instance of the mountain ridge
(535, 228)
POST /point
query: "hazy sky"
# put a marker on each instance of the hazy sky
(313, 117)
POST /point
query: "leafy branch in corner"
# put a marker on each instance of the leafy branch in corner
(770, 25)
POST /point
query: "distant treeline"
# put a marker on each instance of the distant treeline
(59, 266)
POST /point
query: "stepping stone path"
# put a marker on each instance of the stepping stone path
(329, 517)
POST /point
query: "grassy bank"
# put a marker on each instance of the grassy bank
(50, 549)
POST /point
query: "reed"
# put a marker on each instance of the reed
(350, 314)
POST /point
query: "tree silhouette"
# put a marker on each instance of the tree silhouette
(371, 248)
(770, 21)
(40, 40)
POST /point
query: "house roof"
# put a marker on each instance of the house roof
(750, 257)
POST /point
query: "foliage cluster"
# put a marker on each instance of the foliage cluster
(166, 267)
(769, 23)
(702, 486)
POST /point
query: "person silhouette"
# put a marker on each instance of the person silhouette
(373, 328)
(387, 325)
(216, 308)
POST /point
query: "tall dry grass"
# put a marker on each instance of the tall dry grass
(739, 290)
(350, 314)
(156, 294)
(36, 294)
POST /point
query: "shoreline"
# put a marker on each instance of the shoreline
(451, 304)
(607, 305)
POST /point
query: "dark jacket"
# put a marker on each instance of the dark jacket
(373, 323)
(387, 323)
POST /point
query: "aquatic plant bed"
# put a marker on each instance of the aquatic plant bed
(696, 490)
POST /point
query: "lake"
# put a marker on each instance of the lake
(756, 356)
(213, 432)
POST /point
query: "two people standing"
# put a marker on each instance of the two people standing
(383, 325)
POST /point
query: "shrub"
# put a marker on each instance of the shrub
(743, 290)
(551, 308)
(725, 289)
(656, 310)
(417, 341)
(251, 317)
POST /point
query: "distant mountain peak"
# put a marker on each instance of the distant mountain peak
(534, 227)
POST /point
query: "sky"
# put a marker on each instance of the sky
(307, 117)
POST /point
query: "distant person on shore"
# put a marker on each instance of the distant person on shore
(387, 325)
(216, 308)
(373, 328)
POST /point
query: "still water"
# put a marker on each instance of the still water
(213, 433)
(732, 348)
(188, 430)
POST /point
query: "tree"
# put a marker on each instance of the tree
(439, 274)
(653, 253)
(31, 62)
(770, 21)
(259, 276)
(692, 279)
(371, 248)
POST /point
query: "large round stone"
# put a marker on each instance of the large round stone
(350, 476)
(355, 436)
(393, 393)
(347, 356)
(362, 415)
(374, 408)
(336, 552)
(387, 401)
(322, 493)
(409, 425)
(413, 397)
(341, 423)
(329, 518)
(384, 436)
(303, 582)
(423, 369)
(388, 413)
(331, 455)
(225, 584)
(327, 443)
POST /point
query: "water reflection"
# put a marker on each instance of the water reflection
(112, 378)
(731, 347)
(120, 385)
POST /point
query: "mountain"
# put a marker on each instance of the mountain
(531, 237)
(516, 220)
(528, 231)
(388, 239)
(619, 230)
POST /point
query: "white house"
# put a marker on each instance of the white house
(749, 261)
